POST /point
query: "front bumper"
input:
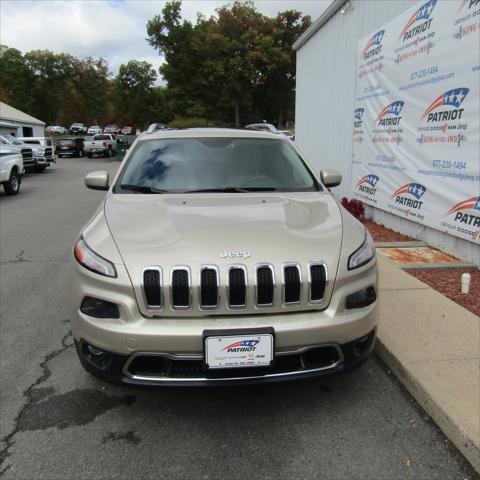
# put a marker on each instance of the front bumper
(153, 369)
(181, 338)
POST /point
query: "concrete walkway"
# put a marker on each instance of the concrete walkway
(433, 346)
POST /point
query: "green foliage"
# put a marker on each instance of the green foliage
(233, 67)
(191, 122)
(133, 97)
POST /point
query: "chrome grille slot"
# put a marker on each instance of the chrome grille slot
(265, 290)
(292, 284)
(318, 281)
(237, 287)
(180, 286)
(152, 287)
(208, 287)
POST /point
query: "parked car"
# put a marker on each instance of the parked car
(264, 127)
(48, 147)
(56, 129)
(129, 131)
(78, 128)
(288, 134)
(11, 168)
(103, 144)
(28, 152)
(112, 129)
(70, 147)
(218, 256)
(94, 130)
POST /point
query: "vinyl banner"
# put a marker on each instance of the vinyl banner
(416, 136)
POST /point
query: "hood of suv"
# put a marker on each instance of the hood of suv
(223, 230)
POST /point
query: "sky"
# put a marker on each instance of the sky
(113, 29)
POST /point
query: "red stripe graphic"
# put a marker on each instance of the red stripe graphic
(435, 104)
(400, 190)
(465, 205)
(462, 5)
(362, 180)
(382, 113)
(409, 23)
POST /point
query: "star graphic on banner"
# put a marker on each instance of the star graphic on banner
(421, 12)
(420, 191)
(447, 98)
(460, 96)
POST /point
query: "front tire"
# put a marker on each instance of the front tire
(107, 153)
(12, 187)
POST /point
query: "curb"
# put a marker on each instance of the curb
(450, 428)
(435, 266)
(406, 244)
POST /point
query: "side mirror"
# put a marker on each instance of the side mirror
(331, 178)
(97, 180)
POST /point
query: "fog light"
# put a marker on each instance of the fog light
(95, 351)
(361, 299)
(95, 307)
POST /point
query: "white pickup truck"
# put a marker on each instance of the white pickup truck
(104, 144)
(11, 168)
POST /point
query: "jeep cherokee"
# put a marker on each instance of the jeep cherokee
(218, 256)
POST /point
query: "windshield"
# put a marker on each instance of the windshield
(10, 139)
(215, 164)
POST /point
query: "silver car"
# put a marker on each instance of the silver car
(218, 256)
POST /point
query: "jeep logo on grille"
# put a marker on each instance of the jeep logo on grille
(239, 254)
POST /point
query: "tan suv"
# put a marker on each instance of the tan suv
(217, 256)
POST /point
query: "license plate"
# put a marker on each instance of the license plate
(239, 351)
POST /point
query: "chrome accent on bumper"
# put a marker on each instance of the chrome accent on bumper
(158, 379)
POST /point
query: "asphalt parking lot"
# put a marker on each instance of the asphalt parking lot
(57, 422)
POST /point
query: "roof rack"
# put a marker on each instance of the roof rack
(157, 126)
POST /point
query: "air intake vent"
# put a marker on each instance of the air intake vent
(237, 287)
(152, 287)
(318, 282)
(208, 287)
(180, 285)
(292, 284)
(265, 286)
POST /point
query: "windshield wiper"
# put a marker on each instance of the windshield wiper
(141, 188)
(232, 190)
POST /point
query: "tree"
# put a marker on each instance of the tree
(50, 72)
(236, 64)
(15, 79)
(133, 90)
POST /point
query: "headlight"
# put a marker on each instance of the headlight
(92, 261)
(38, 151)
(364, 254)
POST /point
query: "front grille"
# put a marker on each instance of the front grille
(318, 282)
(208, 288)
(265, 286)
(180, 285)
(229, 287)
(237, 287)
(292, 284)
(152, 287)
(27, 156)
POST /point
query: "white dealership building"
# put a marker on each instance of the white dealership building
(387, 93)
(18, 123)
